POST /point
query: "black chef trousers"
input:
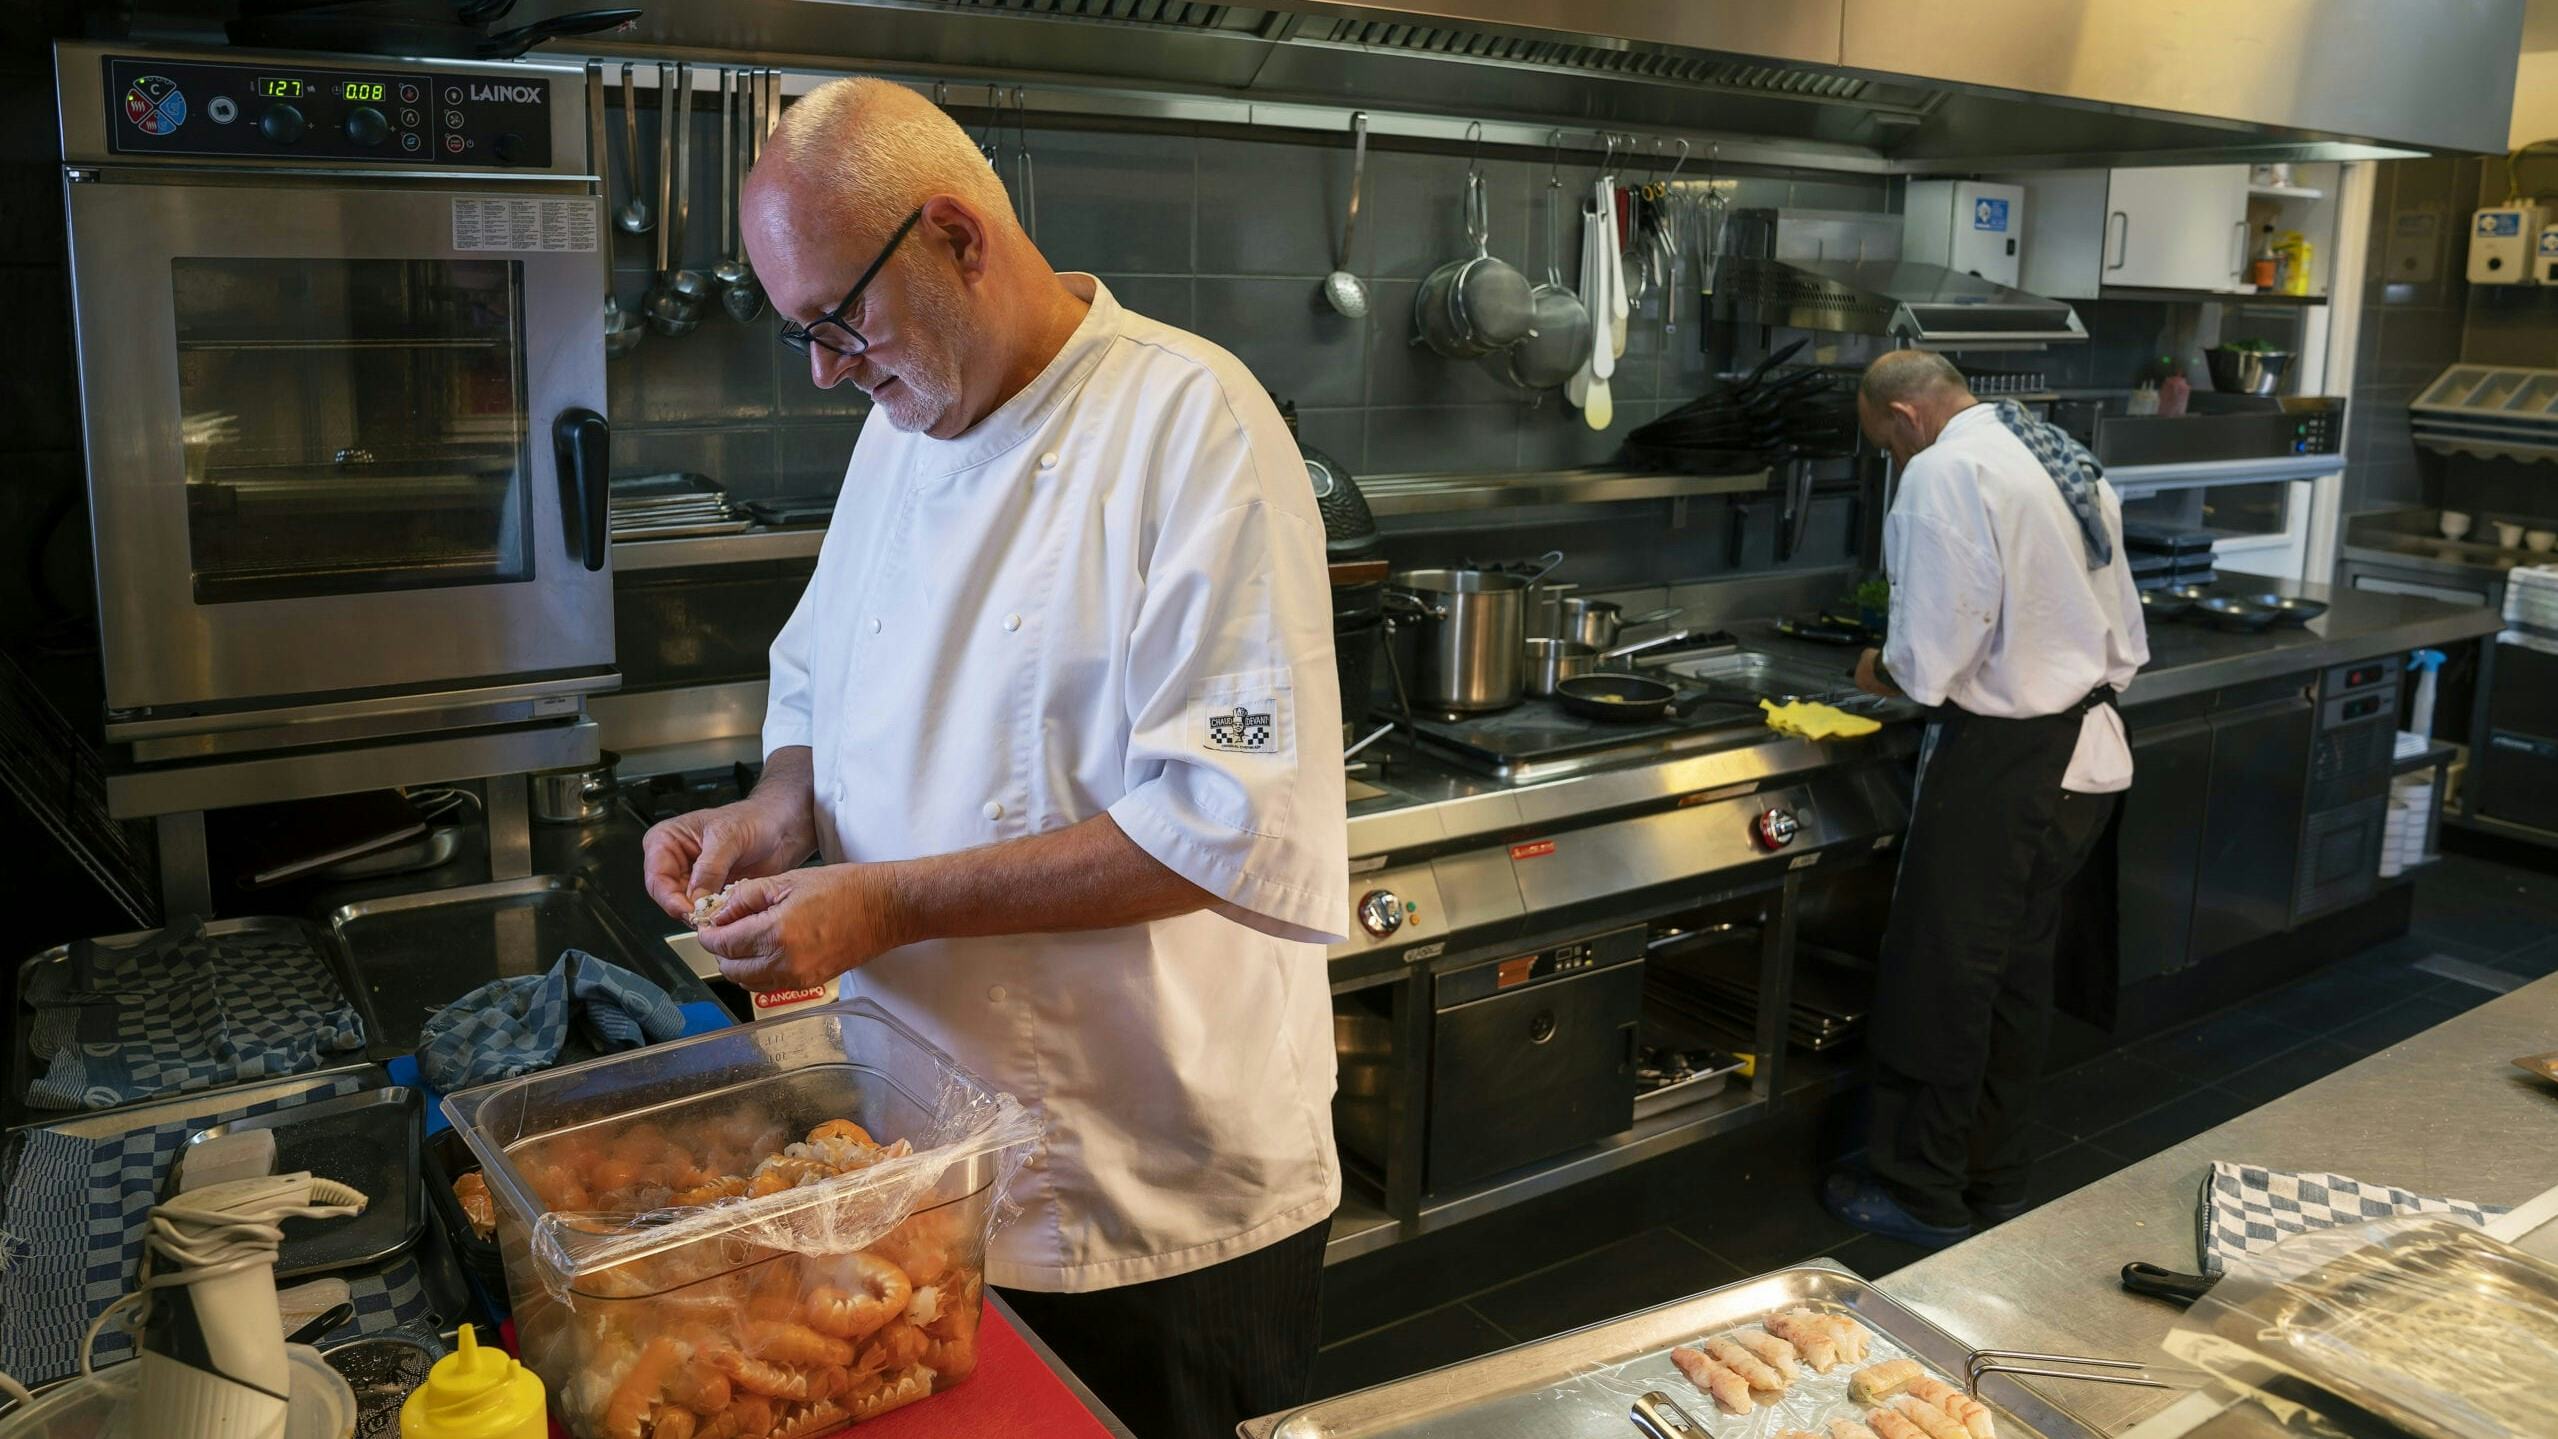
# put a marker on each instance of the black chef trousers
(1963, 1004)
(1192, 1356)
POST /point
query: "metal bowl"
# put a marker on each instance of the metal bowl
(2165, 604)
(2289, 609)
(2230, 612)
(2246, 372)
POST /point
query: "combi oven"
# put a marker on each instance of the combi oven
(340, 330)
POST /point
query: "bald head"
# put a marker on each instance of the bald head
(858, 155)
(1905, 399)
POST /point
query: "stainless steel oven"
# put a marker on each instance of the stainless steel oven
(340, 329)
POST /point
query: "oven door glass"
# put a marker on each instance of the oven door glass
(351, 426)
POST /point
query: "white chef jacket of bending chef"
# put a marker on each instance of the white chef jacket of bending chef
(1993, 605)
(1109, 597)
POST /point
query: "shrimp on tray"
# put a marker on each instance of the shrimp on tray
(1730, 1390)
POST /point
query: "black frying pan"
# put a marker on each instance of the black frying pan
(1625, 698)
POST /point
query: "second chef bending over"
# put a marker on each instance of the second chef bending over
(1058, 713)
(2015, 619)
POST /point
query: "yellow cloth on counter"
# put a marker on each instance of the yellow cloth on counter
(1816, 721)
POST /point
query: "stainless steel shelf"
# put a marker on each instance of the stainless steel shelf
(1389, 495)
(1358, 1227)
(2138, 482)
(2217, 297)
(1648, 1139)
(746, 547)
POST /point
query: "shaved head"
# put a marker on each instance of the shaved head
(1905, 399)
(962, 309)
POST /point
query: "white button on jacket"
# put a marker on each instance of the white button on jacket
(1173, 669)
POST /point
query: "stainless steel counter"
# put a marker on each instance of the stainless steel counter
(2443, 1113)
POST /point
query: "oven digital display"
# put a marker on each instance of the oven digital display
(2367, 674)
(278, 88)
(363, 91)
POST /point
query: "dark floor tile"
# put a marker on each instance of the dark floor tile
(2276, 1077)
(2333, 999)
(2201, 1053)
(2046, 1139)
(2389, 1025)
(2107, 1090)
(2462, 876)
(2171, 1124)
(1772, 1220)
(2481, 920)
(2537, 962)
(1874, 1256)
(1636, 1272)
(1442, 1336)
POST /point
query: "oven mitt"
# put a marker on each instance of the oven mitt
(513, 1026)
(2246, 1210)
(1816, 721)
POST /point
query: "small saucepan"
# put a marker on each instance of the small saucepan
(1600, 622)
(1550, 662)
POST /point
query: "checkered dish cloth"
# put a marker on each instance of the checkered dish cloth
(2247, 1210)
(181, 1011)
(513, 1026)
(2072, 468)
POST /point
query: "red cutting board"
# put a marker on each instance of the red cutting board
(1011, 1393)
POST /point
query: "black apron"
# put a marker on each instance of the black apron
(1963, 1001)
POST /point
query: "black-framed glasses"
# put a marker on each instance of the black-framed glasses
(830, 331)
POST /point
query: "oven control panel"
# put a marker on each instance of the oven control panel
(272, 109)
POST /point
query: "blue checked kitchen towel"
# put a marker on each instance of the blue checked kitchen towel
(74, 1216)
(2072, 468)
(512, 1026)
(183, 1010)
(2247, 1208)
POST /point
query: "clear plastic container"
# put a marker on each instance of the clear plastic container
(696, 1244)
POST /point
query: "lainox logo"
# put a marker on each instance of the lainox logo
(512, 94)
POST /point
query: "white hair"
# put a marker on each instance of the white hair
(879, 150)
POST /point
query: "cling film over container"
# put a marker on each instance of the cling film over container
(776, 1229)
(2424, 1321)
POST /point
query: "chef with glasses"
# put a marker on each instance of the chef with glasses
(1057, 719)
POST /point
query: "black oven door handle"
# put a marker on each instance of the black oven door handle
(579, 441)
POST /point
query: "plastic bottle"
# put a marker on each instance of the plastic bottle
(2296, 251)
(2264, 266)
(2173, 388)
(476, 1393)
(2420, 712)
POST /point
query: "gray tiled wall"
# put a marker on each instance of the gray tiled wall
(1228, 237)
(2412, 318)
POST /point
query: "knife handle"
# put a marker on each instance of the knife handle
(2167, 1284)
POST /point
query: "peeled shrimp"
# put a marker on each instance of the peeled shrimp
(1775, 1353)
(674, 1422)
(1730, 1390)
(910, 1386)
(880, 1292)
(796, 1345)
(1810, 1337)
(1796, 1434)
(1851, 1336)
(639, 1390)
(1937, 1423)
(1889, 1424)
(1746, 1364)
(1877, 1382)
(1849, 1429)
(1971, 1413)
(757, 1376)
(842, 1129)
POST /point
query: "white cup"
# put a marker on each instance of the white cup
(2508, 534)
(2456, 524)
(2539, 541)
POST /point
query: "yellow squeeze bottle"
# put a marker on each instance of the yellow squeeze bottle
(476, 1393)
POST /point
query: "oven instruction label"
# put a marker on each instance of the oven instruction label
(525, 224)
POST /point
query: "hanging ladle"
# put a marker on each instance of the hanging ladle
(634, 217)
(1344, 291)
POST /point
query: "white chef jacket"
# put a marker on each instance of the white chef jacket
(1993, 605)
(1109, 596)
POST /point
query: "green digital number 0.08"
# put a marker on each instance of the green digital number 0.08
(364, 90)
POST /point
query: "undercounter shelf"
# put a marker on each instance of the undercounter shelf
(1442, 494)
(748, 546)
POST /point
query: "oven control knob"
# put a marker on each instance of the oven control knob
(1775, 828)
(367, 126)
(281, 124)
(1380, 913)
(509, 148)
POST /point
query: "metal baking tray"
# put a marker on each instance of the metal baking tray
(151, 1113)
(368, 1139)
(1579, 1385)
(414, 953)
(14, 1111)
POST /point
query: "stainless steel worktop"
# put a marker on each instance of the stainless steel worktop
(2443, 1113)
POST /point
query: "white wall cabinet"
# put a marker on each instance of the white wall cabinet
(2173, 228)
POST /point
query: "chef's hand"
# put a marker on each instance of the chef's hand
(803, 927)
(1869, 676)
(694, 854)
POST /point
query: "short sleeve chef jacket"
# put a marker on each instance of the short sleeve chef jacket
(1110, 596)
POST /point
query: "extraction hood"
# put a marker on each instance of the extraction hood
(1843, 272)
(1892, 86)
